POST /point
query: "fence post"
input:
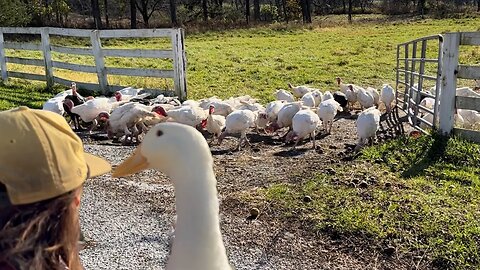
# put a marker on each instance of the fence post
(99, 61)
(179, 64)
(47, 56)
(451, 42)
(3, 62)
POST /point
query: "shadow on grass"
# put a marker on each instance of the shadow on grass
(431, 154)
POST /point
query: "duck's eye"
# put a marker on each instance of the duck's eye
(159, 133)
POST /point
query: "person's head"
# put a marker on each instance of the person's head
(42, 169)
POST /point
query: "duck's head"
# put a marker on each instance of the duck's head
(167, 147)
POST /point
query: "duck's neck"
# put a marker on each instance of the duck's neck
(198, 241)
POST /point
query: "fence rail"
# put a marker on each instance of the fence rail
(176, 54)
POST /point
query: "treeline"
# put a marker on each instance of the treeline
(154, 13)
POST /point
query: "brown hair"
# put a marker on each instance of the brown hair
(42, 235)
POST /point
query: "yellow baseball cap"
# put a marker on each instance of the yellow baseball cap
(41, 157)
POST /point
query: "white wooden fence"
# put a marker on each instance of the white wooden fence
(176, 54)
(452, 70)
(448, 71)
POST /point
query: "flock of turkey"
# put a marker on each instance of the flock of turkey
(303, 110)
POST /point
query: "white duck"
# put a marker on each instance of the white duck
(368, 122)
(170, 147)
(238, 122)
(387, 96)
(327, 111)
(283, 94)
(304, 123)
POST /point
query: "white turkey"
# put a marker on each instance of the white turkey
(299, 91)
(365, 98)
(273, 108)
(215, 123)
(238, 122)
(327, 95)
(304, 123)
(191, 116)
(90, 110)
(308, 100)
(375, 95)
(126, 120)
(283, 94)
(387, 96)
(351, 94)
(344, 87)
(368, 122)
(285, 115)
(327, 110)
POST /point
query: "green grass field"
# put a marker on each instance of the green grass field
(423, 201)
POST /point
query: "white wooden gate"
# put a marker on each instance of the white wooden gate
(176, 54)
(412, 76)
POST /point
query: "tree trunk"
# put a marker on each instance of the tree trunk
(256, 10)
(478, 5)
(133, 15)
(421, 8)
(107, 23)
(247, 11)
(173, 12)
(285, 12)
(308, 6)
(96, 14)
(205, 10)
(303, 6)
(350, 11)
(344, 6)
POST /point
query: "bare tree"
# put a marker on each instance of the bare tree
(105, 4)
(173, 12)
(256, 10)
(205, 10)
(133, 14)
(96, 14)
(146, 8)
(247, 10)
(350, 11)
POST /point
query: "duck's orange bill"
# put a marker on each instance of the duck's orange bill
(135, 163)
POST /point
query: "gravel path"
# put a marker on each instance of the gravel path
(129, 219)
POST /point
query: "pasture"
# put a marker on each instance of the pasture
(404, 204)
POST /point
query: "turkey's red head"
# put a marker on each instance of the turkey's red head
(204, 123)
(69, 103)
(74, 89)
(160, 110)
(103, 116)
(211, 109)
(118, 96)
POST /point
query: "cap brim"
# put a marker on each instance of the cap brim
(96, 166)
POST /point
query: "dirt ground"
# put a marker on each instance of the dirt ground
(270, 161)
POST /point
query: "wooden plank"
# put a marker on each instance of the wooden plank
(99, 61)
(21, 30)
(470, 135)
(449, 82)
(70, 32)
(135, 33)
(3, 62)
(164, 54)
(468, 72)
(470, 38)
(69, 50)
(28, 76)
(467, 103)
(25, 61)
(179, 64)
(74, 67)
(157, 73)
(27, 46)
(47, 56)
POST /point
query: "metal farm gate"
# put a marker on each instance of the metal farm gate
(419, 66)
